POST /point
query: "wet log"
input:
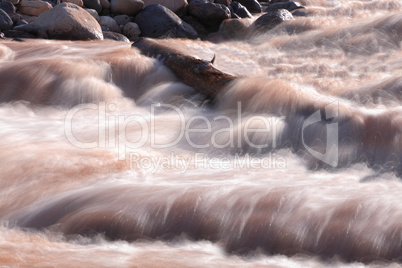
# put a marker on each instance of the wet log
(197, 73)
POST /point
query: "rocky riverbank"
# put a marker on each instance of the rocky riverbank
(126, 20)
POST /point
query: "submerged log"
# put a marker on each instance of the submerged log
(197, 73)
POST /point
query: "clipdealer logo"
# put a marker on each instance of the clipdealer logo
(114, 132)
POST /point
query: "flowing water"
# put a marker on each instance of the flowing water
(108, 160)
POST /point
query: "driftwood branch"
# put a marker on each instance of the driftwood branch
(197, 73)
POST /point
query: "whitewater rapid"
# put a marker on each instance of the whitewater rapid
(107, 159)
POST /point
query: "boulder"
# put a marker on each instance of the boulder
(6, 23)
(132, 31)
(31, 29)
(233, 15)
(157, 21)
(15, 17)
(223, 2)
(173, 5)
(115, 36)
(18, 34)
(20, 22)
(271, 19)
(234, 28)
(278, 1)
(28, 18)
(240, 10)
(8, 7)
(128, 7)
(14, 2)
(76, 2)
(93, 13)
(122, 19)
(33, 8)
(252, 5)
(110, 23)
(299, 13)
(93, 4)
(290, 6)
(105, 12)
(105, 4)
(198, 27)
(69, 22)
(209, 14)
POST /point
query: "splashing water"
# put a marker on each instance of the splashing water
(107, 159)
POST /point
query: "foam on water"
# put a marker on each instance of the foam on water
(76, 188)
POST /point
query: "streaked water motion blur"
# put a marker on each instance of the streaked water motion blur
(107, 159)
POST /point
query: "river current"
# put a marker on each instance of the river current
(107, 159)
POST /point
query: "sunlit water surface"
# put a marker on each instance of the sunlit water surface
(73, 192)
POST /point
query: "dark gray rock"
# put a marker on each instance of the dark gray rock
(18, 34)
(299, 13)
(278, 1)
(20, 22)
(252, 5)
(53, 4)
(240, 10)
(6, 23)
(209, 14)
(115, 36)
(105, 12)
(210, 1)
(8, 7)
(110, 23)
(198, 27)
(31, 29)
(232, 13)
(93, 4)
(132, 31)
(122, 19)
(223, 2)
(105, 4)
(15, 17)
(234, 29)
(157, 21)
(93, 13)
(290, 6)
(105, 28)
(271, 19)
